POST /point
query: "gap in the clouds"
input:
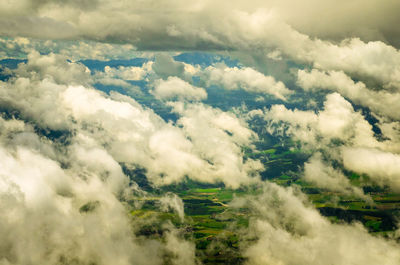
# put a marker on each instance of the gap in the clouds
(280, 155)
(54, 135)
(137, 175)
(98, 65)
(144, 98)
(12, 63)
(227, 99)
(371, 119)
(206, 59)
(9, 64)
(209, 220)
(218, 97)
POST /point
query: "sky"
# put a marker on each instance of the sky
(325, 74)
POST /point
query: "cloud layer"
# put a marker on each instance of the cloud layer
(64, 143)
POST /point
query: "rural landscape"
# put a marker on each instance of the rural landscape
(175, 132)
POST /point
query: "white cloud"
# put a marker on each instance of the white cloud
(337, 121)
(244, 78)
(19, 47)
(382, 167)
(41, 197)
(261, 27)
(325, 176)
(287, 230)
(176, 88)
(130, 133)
(380, 102)
(172, 201)
(217, 137)
(42, 222)
(71, 213)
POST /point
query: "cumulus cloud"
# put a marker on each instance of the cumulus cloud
(343, 136)
(176, 88)
(165, 66)
(172, 201)
(131, 133)
(121, 76)
(382, 167)
(261, 27)
(56, 215)
(61, 193)
(380, 102)
(323, 175)
(20, 47)
(330, 135)
(338, 22)
(244, 78)
(337, 121)
(133, 73)
(286, 230)
(218, 136)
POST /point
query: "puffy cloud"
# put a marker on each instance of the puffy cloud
(182, 252)
(380, 102)
(55, 215)
(342, 135)
(172, 201)
(176, 88)
(53, 67)
(337, 121)
(325, 176)
(217, 136)
(382, 167)
(165, 66)
(72, 183)
(245, 78)
(130, 133)
(261, 27)
(333, 131)
(20, 47)
(61, 194)
(289, 231)
(342, 19)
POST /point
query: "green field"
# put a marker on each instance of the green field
(214, 226)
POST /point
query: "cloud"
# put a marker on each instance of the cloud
(330, 135)
(217, 136)
(20, 47)
(285, 229)
(262, 27)
(337, 121)
(61, 182)
(343, 136)
(245, 78)
(173, 202)
(61, 179)
(125, 73)
(341, 20)
(325, 176)
(182, 251)
(165, 66)
(121, 77)
(381, 102)
(53, 67)
(176, 88)
(131, 133)
(43, 220)
(382, 167)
